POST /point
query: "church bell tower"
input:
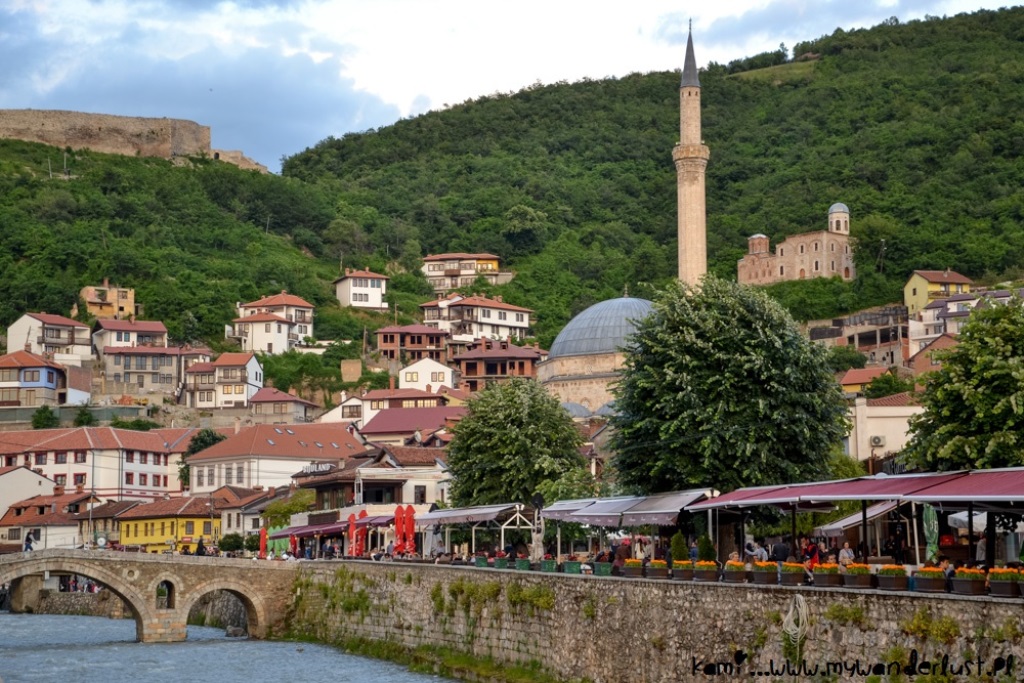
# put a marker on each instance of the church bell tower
(691, 159)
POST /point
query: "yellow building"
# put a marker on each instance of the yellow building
(924, 286)
(446, 272)
(171, 525)
(108, 301)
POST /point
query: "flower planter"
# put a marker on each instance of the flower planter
(501, 563)
(766, 578)
(571, 567)
(685, 574)
(657, 572)
(548, 565)
(892, 583)
(1004, 589)
(857, 580)
(602, 569)
(634, 572)
(792, 579)
(828, 580)
(523, 565)
(706, 575)
(480, 561)
(734, 577)
(968, 586)
(929, 584)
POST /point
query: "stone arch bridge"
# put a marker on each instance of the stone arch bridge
(159, 590)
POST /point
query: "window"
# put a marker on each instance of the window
(40, 458)
(485, 313)
(31, 376)
(226, 389)
(209, 475)
(80, 456)
(801, 248)
(143, 480)
(207, 528)
(502, 315)
(60, 479)
(437, 376)
(419, 494)
(377, 405)
(519, 317)
(143, 459)
(782, 270)
(199, 476)
(14, 534)
(913, 292)
(239, 388)
(190, 528)
(266, 328)
(8, 375)
(240, 474)
(354, 412)
(129, 456)
(129, 478)
(227, 474)
(412, 377)
(60, 458)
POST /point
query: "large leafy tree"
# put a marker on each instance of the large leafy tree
(721, 389)
(974, 404)
(515, 436)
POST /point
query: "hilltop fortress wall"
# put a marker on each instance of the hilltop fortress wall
(129, 135)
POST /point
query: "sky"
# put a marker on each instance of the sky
(274, 77)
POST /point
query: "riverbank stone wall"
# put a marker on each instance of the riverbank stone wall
(616, 630)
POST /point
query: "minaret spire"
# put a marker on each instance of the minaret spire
(691, 160)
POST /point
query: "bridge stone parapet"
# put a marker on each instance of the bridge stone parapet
(160, 590)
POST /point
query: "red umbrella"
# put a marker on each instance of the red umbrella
(361, 535)
(263, 542)
(399, 528)
(352, 535)
(293, 543)
(410, 529)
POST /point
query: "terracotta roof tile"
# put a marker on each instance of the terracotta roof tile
(56, 320)
(460, 255)
(282, 299)
(408, 420)
(862, 375)
(272, 395)
(941, 276)
(230, 360)
(906, 398)
(132, 326)
(24, 359)
(301, 442)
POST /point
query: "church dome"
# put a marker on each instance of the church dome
(839, 206)
(602, 328)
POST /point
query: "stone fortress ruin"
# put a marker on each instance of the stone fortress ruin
(128, 135)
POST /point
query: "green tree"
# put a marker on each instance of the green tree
(974, 404)
(721, 389)
(252, 543)
(888, 384)
(230, 543)
(84, 417)
(843, 358)
(515, 437)
(202, 440)
(45, 418)
(279, 513)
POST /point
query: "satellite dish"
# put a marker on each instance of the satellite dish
(101, 541)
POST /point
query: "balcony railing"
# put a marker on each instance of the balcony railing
(55, 341)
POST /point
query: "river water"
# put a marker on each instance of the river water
(46, 648)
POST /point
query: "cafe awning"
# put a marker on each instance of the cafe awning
(286, 532)
(662, 509)
(469, 515)
(562, 509)
(998, 489)
(839, 527)
(606, 512)
(375, 521)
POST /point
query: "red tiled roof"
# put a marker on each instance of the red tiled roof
(24, 359)
(411, 329)
(230, 360)
(496, 351)
(454, 296)
(906, 398)
(262, 318)
(380, 394)
(175, 507)
(272, 395)
(110, 509)
(459, 255)
(862, 375)
(282, 299)
(301, 442)
(408, 456)
(200, 367)
(484, 302)
(57, 320)
(409, 420)
(166, 440)
(132, 325)
(941, 276)
(53, 510)
(362, 273)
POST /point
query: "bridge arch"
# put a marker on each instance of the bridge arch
(256, 610)
(110, 580)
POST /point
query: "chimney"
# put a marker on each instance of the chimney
(106, 282)
(429, 390)
(271, 491)
(58, 490)
(499, 299)
(28, 347)
(391, 382)
(284, 291)
(79, 488)
(238, 424)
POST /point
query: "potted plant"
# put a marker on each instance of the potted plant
(682, 570)
(793, 574)
(501, 560)
(766, 573)
(548, 563)
(571, 565)
(657, 569)
(679, 549)
(633, 567)
(480, 560)
(892, 577)
(1004, 582)
(705, 570)
(827, 574)
(857, 575)
(969, 581)
(522, 562)
(602, 569)
(930, 580)
(735, 572)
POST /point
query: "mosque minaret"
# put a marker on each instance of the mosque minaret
(691, 159)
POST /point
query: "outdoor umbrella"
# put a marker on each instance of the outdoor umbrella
(263, 542)
(410, 529)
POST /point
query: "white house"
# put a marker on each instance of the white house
(426, 375)
(64, 340)
(880, 425)
(20, 482)
(474, 317)
(49, 519)
(228, 382)
(362, 289)
(126, 333)
(270, 405)
(30, 380)
(349, 411)
(268, 455)
(273, 324)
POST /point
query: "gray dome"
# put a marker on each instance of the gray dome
(607, 410)
(839, 206)
(602, 328)
(575, 409)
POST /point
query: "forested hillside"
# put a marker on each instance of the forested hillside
(915, 126)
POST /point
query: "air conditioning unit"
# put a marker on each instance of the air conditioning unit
(877, 441)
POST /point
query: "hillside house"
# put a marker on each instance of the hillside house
(61, 339)
(426, 375)
(270, 405)
(362, 289)
(467, 318)
(49, 519)
(228, 382)
(273, 324)
(402, 426)
(446, 272)
(924, 286)
(31, 381)
(489, 360)
(410, 343)
(106, 302)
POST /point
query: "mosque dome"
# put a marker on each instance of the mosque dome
(839, 206)
(600, 329)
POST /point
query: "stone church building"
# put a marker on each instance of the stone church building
(825, 253)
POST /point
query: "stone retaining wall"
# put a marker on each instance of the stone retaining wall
(612, 630)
